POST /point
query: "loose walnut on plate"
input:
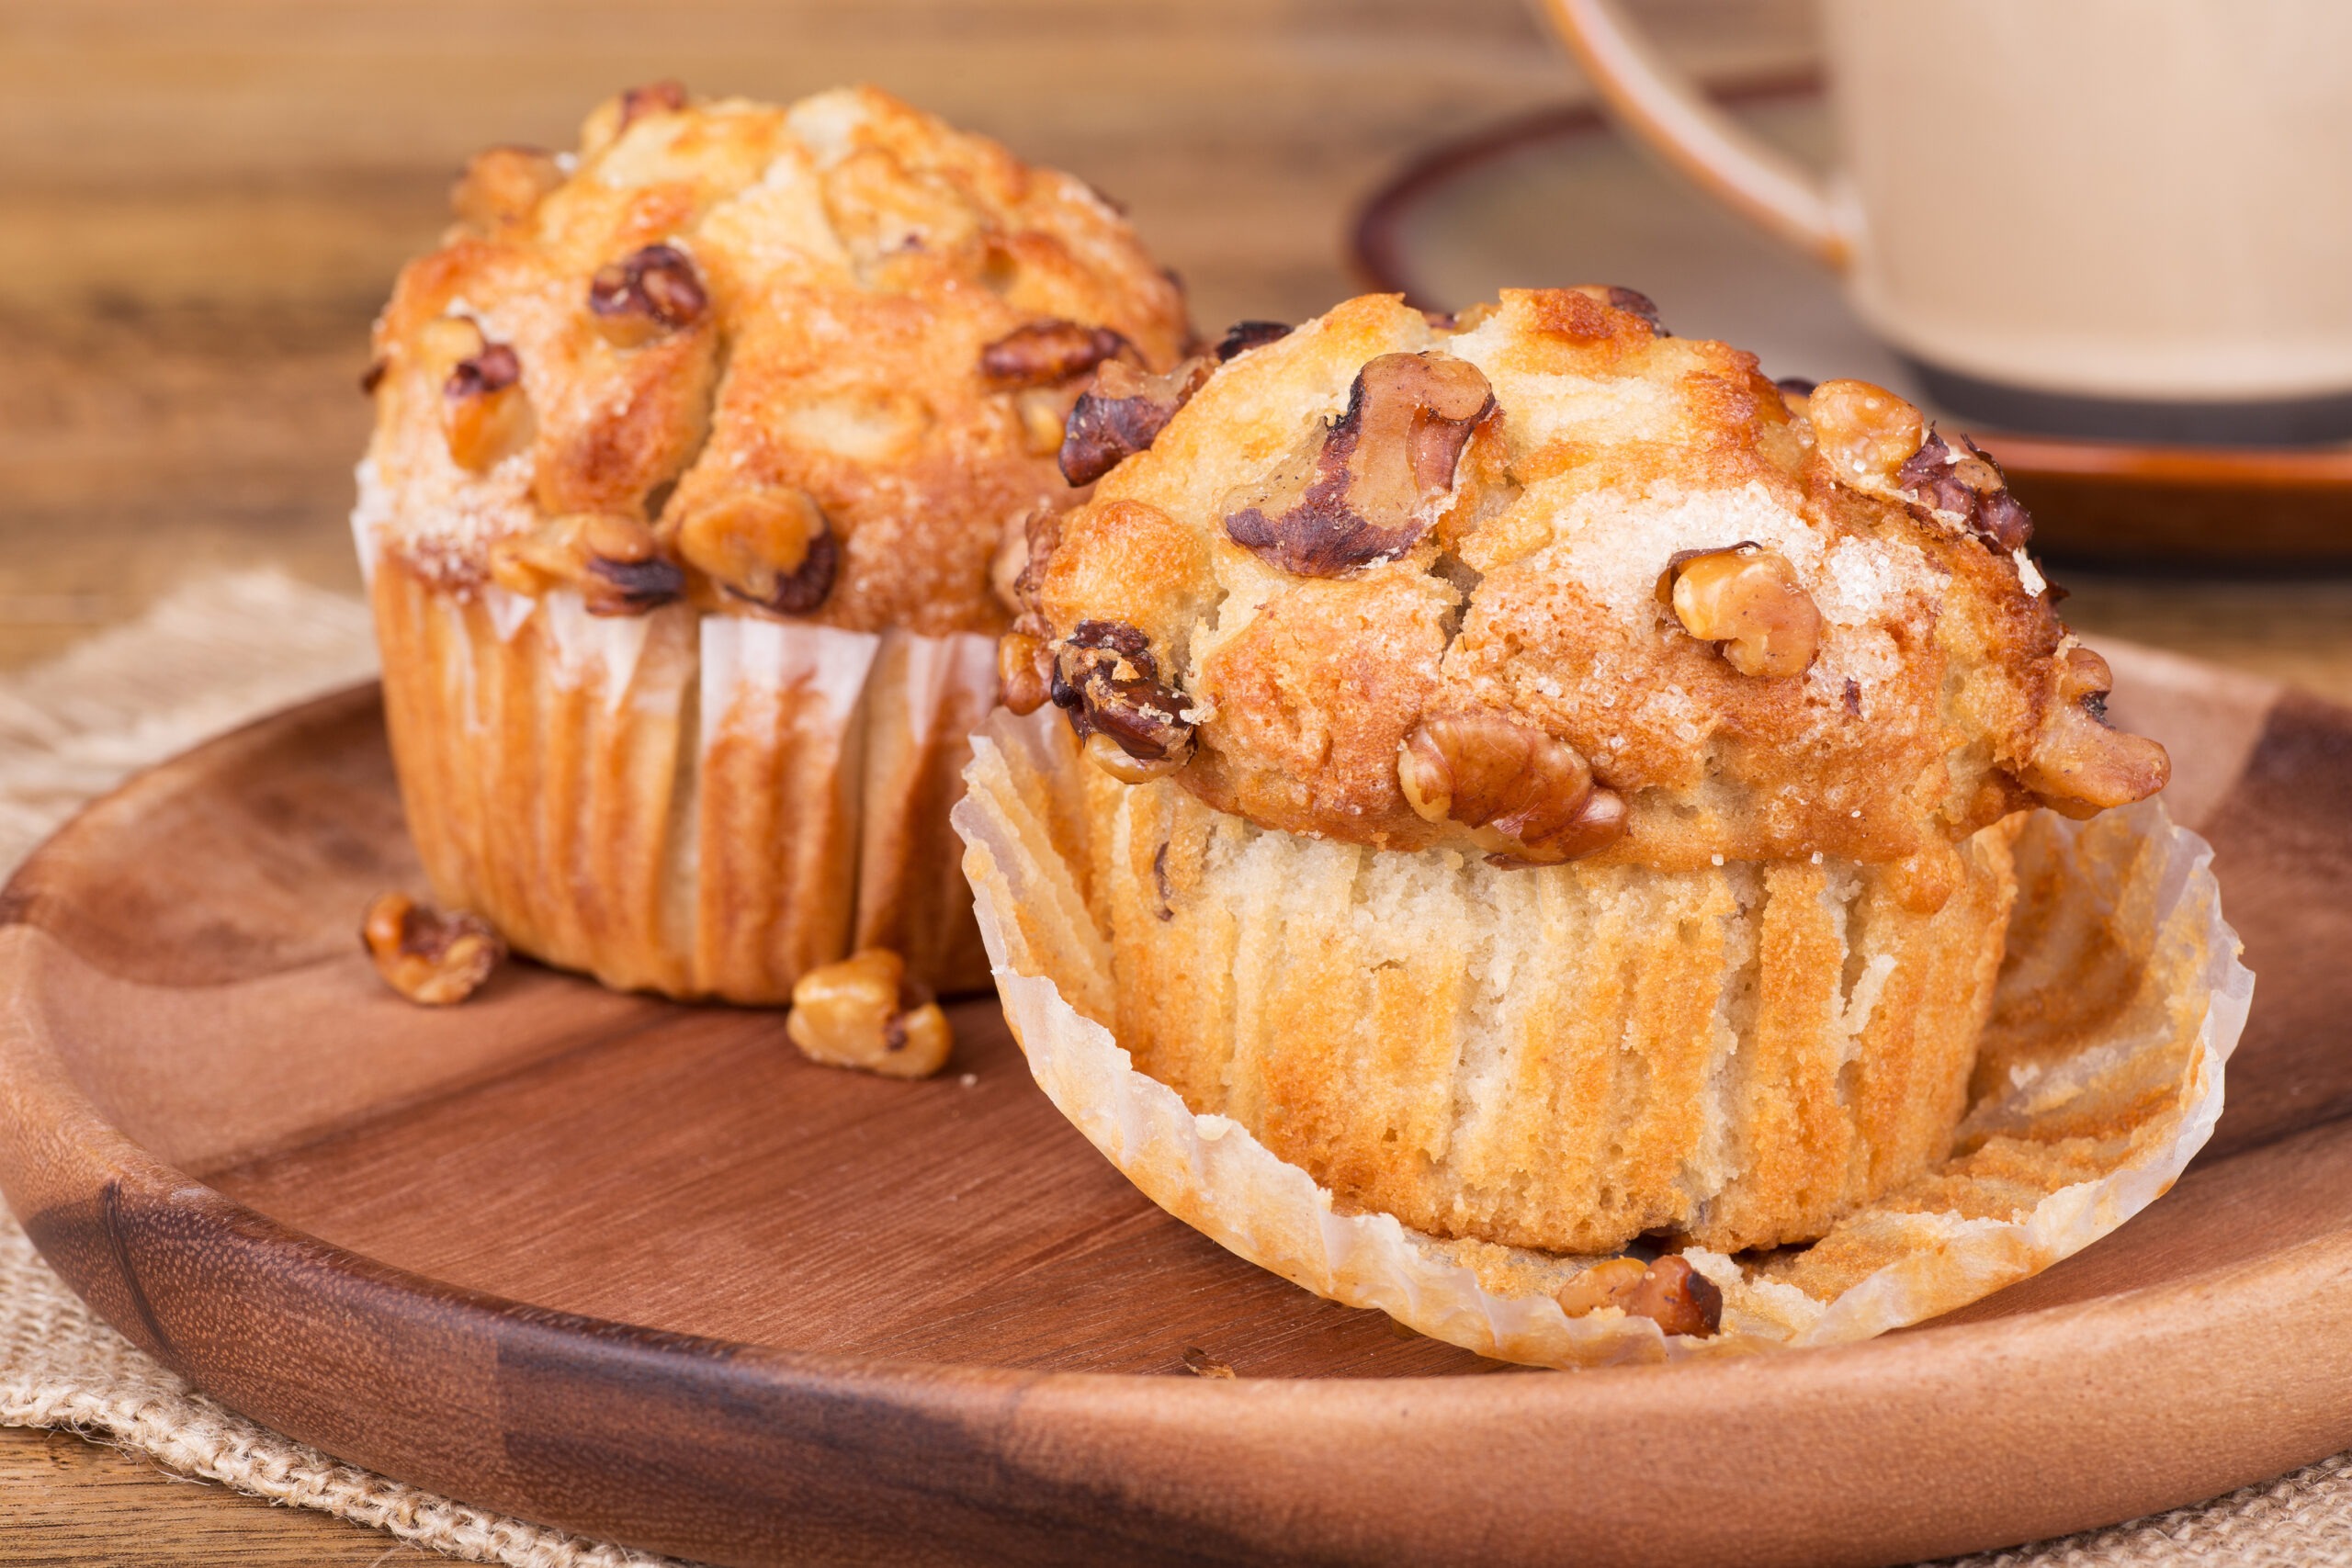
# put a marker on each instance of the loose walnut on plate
(429, 957)
(1866, 431)
(2080, 764)
(773, 547)
(1527, 797)
(864, 1012)
(1366, 488)
(1106, 679)
(1121, 413)
(1669, 1293)
(1746, 601)
(649, 293)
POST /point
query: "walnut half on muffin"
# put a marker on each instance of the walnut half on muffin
(690, 451)
(1552, 785)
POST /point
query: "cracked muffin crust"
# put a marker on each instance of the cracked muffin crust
(1768, 625)
(1547, 782)
(691, 453)
(783, 340)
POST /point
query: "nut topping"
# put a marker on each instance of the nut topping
(484, 413)
(1606, 1284)
(772, 548)
(1527, 797)
(864, 1012)
(1746, 601)
(1243, 336)
(1045, 353)
(1368, 487)
(1107, 680)
(1669, 1293)
(2080, 764)
(502, 187)
(647, 294)
(1970, 485)
(1866, 431)
(615, 562)
(1020, 676)
(429, 957)
(1122, 414)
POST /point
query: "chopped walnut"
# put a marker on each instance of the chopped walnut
(484, 413)
(2081, 766)
(1121, 413)
(1045, 353)
(773, 547)
(1527, 797)
(1970, 485)
(864, 1012)
(624, 110)
(1019, 673)
(1746, 601)
(1669, 1293)
(1366, 488)
(1605, 1284)
(1866, 431)
(615, 563)
(1198, 1363)
(1105, 678)
(652, 292)
(502, 187)
(431, 958)
(1243, 336)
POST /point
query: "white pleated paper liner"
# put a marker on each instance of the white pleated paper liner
(2063, 1149)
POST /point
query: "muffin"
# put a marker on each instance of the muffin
(691, 452)
(1541, 780)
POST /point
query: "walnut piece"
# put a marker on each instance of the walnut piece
(1105, 678)
(773, 547)
(864, 1012)
(2081, 766)
(1366, 488)
(484, 413)
(617, 113)
(1121, 413)
(649, 293)
(502, 187)
(1243, 336)
(1527, 797)
(615, 562)
(1019, 673)
(1045, 353)
(1971, 485)
(1746, 601)
(431, 958)
(1606, 1284)
(1669, 1293)
(1866, 431)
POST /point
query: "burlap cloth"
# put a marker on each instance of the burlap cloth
(231, 649)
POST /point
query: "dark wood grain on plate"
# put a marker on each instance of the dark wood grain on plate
(636, 1269)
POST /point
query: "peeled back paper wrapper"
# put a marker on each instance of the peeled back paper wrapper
(2098, 1078)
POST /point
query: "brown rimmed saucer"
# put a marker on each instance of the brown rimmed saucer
(1557, 197)
(637, 1270)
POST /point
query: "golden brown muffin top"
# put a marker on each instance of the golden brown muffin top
(801, 361)
(1546, 581)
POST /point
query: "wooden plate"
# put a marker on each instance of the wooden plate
(1559, 198)
(634, 1269)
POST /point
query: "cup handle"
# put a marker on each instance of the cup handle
(1658, 104)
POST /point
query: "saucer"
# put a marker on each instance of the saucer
(1558, 198)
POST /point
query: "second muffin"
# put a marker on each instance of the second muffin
(690, 451)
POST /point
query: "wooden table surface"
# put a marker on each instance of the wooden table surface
(205, 201)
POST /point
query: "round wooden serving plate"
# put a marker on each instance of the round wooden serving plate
(1558, 198)
(637, 1270)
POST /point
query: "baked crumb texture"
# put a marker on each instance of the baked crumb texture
(721, 310)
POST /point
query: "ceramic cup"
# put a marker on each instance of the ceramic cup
(2108, 217)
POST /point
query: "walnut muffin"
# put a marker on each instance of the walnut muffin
(691, 452)
(1549, 782)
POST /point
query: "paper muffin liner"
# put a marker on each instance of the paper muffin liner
(698, 804)
(2099, 1078)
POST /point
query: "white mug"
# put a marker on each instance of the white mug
(2093, 217)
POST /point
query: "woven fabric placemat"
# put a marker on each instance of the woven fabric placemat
(231, 649)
